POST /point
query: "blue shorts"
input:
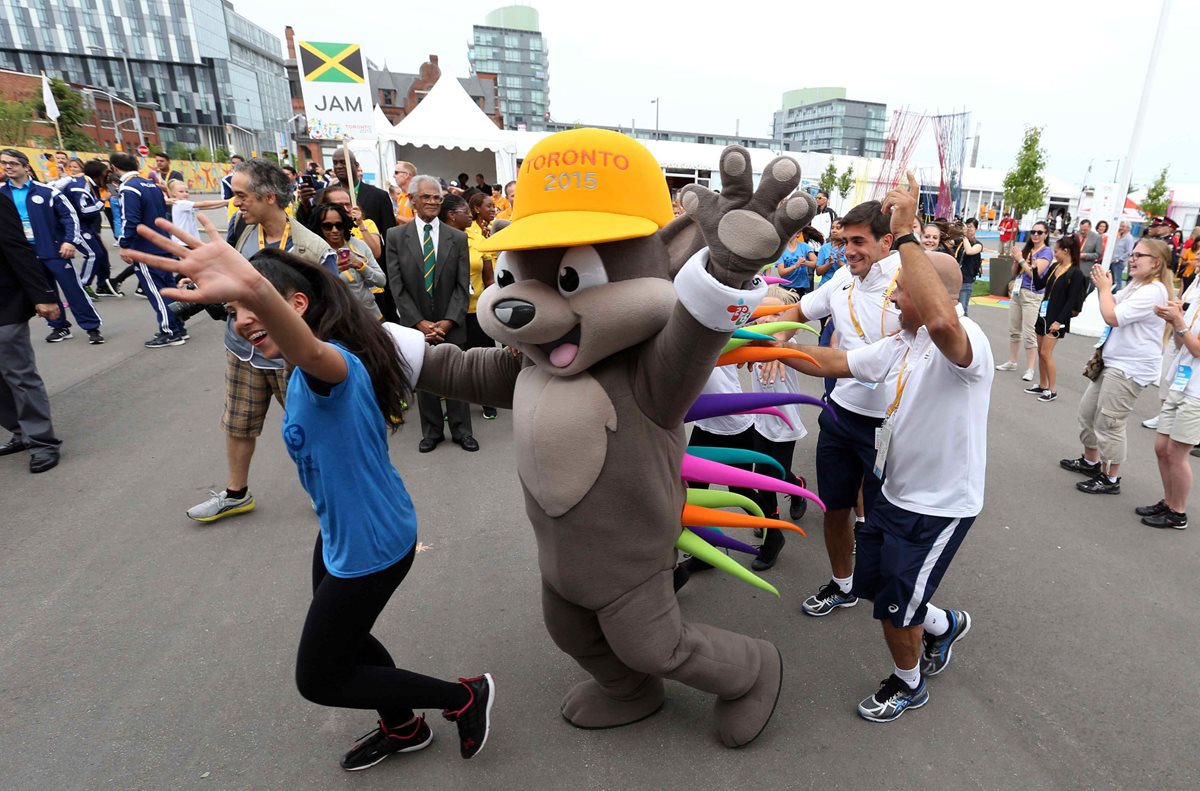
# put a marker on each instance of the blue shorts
(902, 557)
(845, 456)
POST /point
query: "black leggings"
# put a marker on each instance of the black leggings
(340, 664)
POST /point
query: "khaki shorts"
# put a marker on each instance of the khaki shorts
(248, 392)
(1180, 418)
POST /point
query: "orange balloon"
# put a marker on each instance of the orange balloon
(761, 354)
(769, 310)
(699, 516)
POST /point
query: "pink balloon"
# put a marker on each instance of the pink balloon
(699, 470)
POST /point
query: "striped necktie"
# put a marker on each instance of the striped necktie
(427, 250)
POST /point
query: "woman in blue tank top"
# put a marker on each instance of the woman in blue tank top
(349, 379)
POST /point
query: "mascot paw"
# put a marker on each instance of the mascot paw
(588, 706)
(741, 720)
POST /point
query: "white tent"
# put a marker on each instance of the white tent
(447, 134)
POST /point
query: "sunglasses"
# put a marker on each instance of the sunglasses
(329, 226)
(1037, 233)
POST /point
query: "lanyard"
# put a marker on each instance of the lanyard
(283, 240)
(887, 297)
(901, 383)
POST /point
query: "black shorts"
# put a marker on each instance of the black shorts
(1041, 327)
(845, 456)
(901, 557)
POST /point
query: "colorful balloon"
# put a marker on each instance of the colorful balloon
(696, 516)
(704, 471)
(761, 354)
(721, 404)
(735, 456)
(719, 498)
(696, 546)
(716, 538)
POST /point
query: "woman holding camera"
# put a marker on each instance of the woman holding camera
(1064, 287)
(356, 264)
(1130, 353)
(1026, 301)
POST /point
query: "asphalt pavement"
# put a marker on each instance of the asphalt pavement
(144, 651)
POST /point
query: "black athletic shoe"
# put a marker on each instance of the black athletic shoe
(105, 288)
(1151, 510)
(1167, 518)
(938, 650)
(1080, 465)
(799, 505)
(1048, 395)
(474, 719)
(162, 341)
(1036, 390)
(59, 335)
(373, 747)
(95, 338)
(1100, 485)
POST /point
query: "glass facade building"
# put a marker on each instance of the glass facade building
(825, 121)
(510, 46)
(217, 78)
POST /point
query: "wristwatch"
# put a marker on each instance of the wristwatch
(905, 239)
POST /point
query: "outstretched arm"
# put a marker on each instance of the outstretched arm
(481, 376)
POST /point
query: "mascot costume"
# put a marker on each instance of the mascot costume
(619, 314)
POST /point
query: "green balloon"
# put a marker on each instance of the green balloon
(719, 498)
(696, 546)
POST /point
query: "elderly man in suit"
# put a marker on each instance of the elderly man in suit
(24, 290)
(428, 274)
(1091, 250)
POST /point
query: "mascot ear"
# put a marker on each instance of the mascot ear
(683, 240)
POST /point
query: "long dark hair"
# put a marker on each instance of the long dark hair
(1071, 245)
(1029, 242)
(335, 315)
(318, 216)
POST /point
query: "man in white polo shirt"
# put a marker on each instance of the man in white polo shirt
(936, 376)
(858, 298)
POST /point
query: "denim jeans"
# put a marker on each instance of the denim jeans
(964, 295)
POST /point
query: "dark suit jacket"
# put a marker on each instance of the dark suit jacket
(377, 206)
(406, 277)
(23, 279)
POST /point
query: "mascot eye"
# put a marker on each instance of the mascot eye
(581, 269)
(503, 271)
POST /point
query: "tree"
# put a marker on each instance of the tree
(845, 181)
(177, 150)
(202, 154)
(221, 154)
(829, 178)
(1157, 201)
(71, 115)
(15, 118)
(1024, 185)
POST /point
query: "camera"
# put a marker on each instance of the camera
(185, 310)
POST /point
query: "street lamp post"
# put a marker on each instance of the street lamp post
(137, 119)
(656, 104)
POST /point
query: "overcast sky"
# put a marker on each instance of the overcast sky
(1075, 69)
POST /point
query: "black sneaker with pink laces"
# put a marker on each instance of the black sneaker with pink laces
(373, 747)
(474, 720)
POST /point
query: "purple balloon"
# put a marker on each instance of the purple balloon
(718, 539)
(721, 404)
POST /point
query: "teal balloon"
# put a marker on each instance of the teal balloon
(736, 456)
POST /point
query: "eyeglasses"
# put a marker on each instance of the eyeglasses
(1036, 233)
(1136, 256)
(329, 226)
(12, 164)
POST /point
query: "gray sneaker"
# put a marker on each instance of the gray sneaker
(827, 600)
(218, 506)
(893, 699)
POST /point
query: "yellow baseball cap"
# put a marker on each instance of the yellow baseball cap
(585, 186)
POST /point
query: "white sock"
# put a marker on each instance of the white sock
(936, 622)
(845, 584)
(860, 520)
(910, 677)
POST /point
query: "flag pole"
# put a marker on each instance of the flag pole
(349, 171)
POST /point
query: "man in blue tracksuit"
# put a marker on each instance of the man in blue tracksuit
(52, 230)
(142, 203)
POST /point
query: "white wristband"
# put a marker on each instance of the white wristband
(712, 303)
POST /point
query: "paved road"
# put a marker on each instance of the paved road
(142, 651)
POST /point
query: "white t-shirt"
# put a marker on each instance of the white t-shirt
(769, 426)
(938, 456)
(1135, 346)
(183, 214)
(724, 379)
(1181, 356)
(874, 319)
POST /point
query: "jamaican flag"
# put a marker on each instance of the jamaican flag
(322, 61)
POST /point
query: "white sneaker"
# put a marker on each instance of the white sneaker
(1006, 366)
(218, 506)
(1027, 376)
(1151, 423)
